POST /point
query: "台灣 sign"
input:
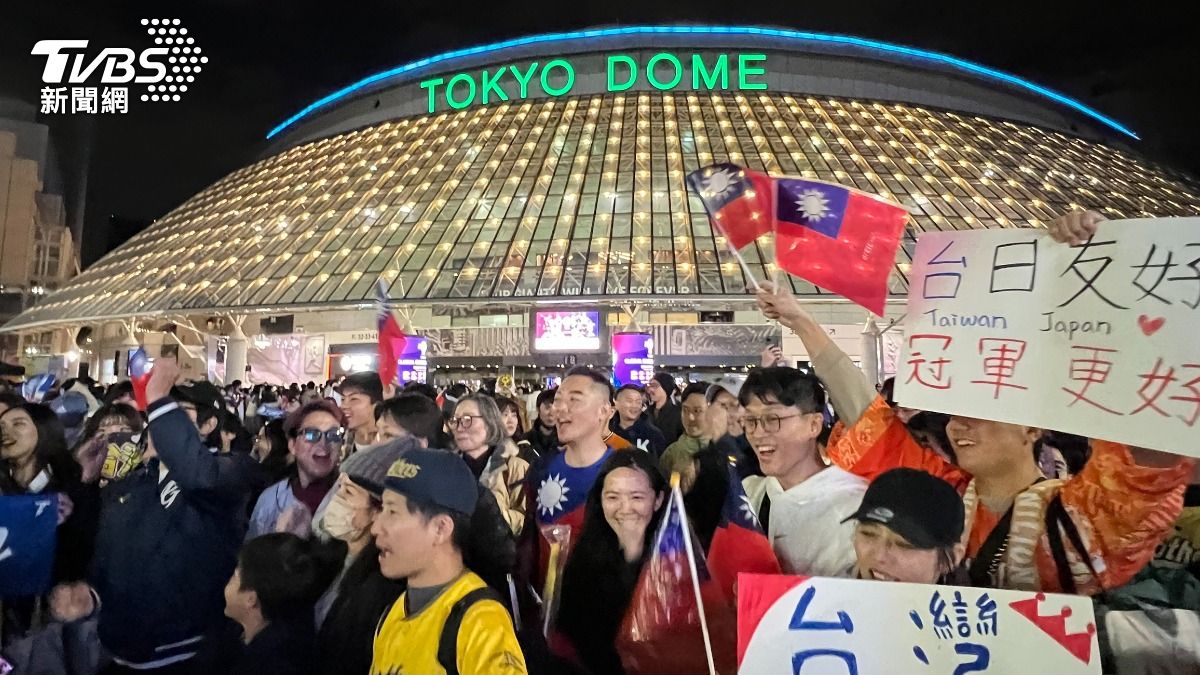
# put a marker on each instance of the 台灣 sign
(820, 626)
(1100, 339)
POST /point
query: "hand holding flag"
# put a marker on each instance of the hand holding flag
(836, 237)
(139, 375)
(666, 628)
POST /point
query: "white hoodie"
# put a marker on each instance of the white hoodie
(806, 526)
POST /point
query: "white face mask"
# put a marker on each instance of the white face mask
(339, 521)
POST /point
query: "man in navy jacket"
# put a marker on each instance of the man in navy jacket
(168, 541)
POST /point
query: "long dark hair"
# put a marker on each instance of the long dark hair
(597, 582)
(50, 452)
(276, 461)
(506, 403)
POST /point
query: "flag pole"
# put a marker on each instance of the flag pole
(677, 498)
(713, 220)
(745, 267)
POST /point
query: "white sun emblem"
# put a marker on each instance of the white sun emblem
(719, 183)
(813, 205)
(747, 509)
(552, 494)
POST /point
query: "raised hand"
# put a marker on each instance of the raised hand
(71, 602)
(162, 378)
(777, 302)
(1075, 228)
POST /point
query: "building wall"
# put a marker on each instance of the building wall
(37, 251)
(18, 212)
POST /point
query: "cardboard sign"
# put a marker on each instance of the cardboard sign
(823, 626)
(1099, 340)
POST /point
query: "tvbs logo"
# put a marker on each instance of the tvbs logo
(120, 65)
(72, 70)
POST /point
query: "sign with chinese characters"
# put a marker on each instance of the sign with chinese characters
(820, 626)
(1098, 339)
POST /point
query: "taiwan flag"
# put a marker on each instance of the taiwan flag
(739, 545)
(663, 630)
(738, 201)
(838, 238)
(391, 337)
(139, 375)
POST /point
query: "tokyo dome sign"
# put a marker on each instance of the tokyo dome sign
(663, 71)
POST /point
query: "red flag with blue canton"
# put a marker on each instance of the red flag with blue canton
(139, 375)
(391, 337)
(738, 201)
(661, 632)
(739, 544)
(838, 238)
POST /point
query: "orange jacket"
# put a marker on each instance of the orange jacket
(1122, 510)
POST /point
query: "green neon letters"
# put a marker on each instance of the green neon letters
(661, 71)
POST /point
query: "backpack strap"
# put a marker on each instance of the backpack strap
(983, 568)
(447, 653)
(1056, 517)
(764, 514)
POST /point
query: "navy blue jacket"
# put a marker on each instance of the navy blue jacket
(167, 544)
(643, 435)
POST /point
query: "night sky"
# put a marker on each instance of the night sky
(269, 58)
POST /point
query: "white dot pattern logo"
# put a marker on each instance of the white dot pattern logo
(183, 58)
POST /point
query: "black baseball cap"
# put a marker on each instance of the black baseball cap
(922, 508)
(435, 476)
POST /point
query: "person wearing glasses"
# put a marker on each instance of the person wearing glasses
(801, 502)
(486, 446)
(315, 437)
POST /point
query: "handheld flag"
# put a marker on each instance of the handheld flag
(838, 238)
(739, 545)
(391, 337)
(35, 388)
(666, 628)
(139, 375)
(738, 201)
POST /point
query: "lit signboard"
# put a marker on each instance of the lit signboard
(566, 331)
(633, 358)
(664, 71)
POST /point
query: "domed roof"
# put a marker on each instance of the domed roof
(579, 198)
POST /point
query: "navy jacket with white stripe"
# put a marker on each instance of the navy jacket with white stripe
(167, 543)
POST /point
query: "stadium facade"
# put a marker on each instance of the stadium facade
(547, 174)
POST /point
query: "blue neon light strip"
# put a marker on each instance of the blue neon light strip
(885, 47)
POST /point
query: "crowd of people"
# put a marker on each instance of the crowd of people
(357, 528)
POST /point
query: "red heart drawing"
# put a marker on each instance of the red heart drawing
(1150, 326)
